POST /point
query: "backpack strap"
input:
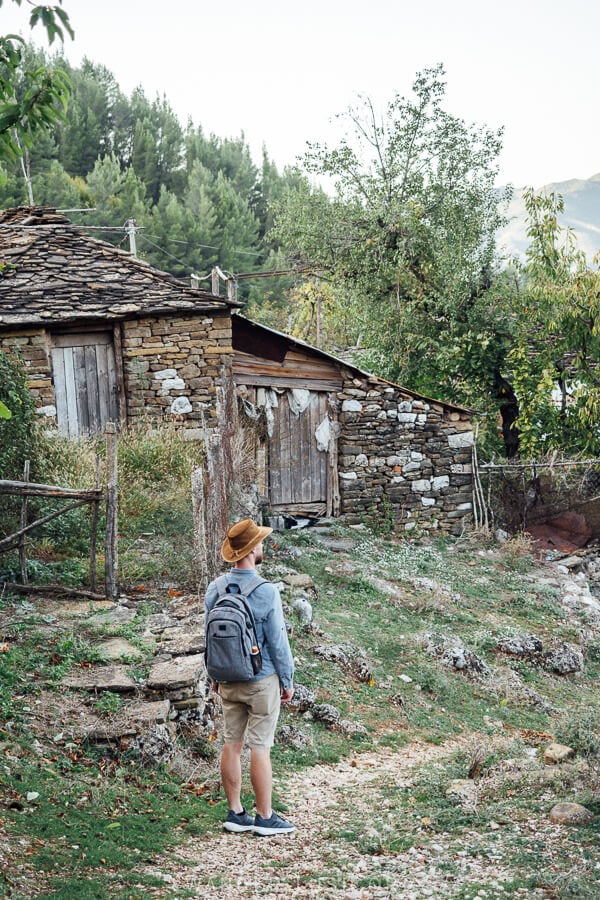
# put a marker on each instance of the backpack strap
(250, 584)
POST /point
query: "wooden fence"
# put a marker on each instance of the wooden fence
(75, 499)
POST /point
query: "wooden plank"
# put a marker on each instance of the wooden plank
(119, 369)
(86, 339)
(111, 542)
(70, 392)
(104, 392)
(274, 461)
(293, 361)
(91, 379)
(307, 492)
(112, 384)
(300, 509)
(315, 455)
(81, 393)
(30, 489)
(60, 390)
(276, 380)
(333, 485)
(12, 540)
(323, 413)
(315, 458)
(285, 444)
(23, 523)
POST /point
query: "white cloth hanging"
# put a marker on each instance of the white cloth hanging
(298, 400)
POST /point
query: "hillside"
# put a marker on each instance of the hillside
(432, 678)
(582, 214)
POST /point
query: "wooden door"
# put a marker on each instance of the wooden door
(297, 468)
(85, 382)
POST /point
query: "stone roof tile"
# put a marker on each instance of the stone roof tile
(55, 271)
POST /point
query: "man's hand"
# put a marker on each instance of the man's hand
(287, 694)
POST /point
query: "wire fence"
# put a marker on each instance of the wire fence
(518, 495)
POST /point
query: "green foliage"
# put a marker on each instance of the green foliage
(555, 354)
(17, 424)
(408, 240)
(32, 100)
(580, 729)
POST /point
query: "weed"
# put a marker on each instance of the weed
(108, 703)
(580, 729)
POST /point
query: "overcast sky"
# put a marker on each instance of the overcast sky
(280, 71)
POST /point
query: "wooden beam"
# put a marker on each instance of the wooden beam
(54, 589)
(29, 489)
(7, 543)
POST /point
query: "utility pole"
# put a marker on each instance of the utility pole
(131, 230)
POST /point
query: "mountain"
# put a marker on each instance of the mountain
(582, 214)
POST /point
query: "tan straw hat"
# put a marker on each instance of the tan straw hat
(241, 538)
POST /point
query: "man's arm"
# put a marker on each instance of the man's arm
(276, 638)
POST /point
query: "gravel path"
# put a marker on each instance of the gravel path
(315, 862)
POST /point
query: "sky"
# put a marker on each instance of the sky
(280, 72)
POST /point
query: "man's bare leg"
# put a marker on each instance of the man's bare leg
(231, 775)
(261, 776)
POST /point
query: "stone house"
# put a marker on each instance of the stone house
(106, 337)
(334, 440)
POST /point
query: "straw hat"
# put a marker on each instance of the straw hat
(241, 538)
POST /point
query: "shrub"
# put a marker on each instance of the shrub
(17, 433)
(580, 729)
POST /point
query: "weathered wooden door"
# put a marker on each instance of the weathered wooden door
(85, 382)
(297, 468)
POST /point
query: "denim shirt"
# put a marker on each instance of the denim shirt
(265, 602)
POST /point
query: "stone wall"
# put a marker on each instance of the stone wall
(33, 347)
(403, 459)
(172, 366)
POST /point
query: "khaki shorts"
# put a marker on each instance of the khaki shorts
(252, 706)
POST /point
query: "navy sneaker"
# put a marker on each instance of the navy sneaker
(238, 822)
(273, 825)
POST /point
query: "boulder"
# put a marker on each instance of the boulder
(290, 736)
(326, 713)
(464, 790)
(520, 645)
(299, 580)
(564, 659)
(302, 699)
(570, 814)
(155, 746)
(303, 608)
(557, 753)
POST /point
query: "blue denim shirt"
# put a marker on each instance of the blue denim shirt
(265, 601)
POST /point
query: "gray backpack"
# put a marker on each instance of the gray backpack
(232, 652)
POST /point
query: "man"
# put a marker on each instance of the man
(252, 707)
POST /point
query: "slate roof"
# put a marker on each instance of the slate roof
(55, 272)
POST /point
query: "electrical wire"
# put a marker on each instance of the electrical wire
(166, 252)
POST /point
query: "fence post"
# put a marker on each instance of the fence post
(22, 555)
(199, 518)
(111, 541)
(94, 533)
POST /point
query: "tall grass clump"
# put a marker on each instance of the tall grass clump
(580, 729)
(155, 519)
(155, 463)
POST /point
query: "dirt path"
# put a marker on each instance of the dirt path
(315, 862)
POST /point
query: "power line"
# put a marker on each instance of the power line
(162, 250)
